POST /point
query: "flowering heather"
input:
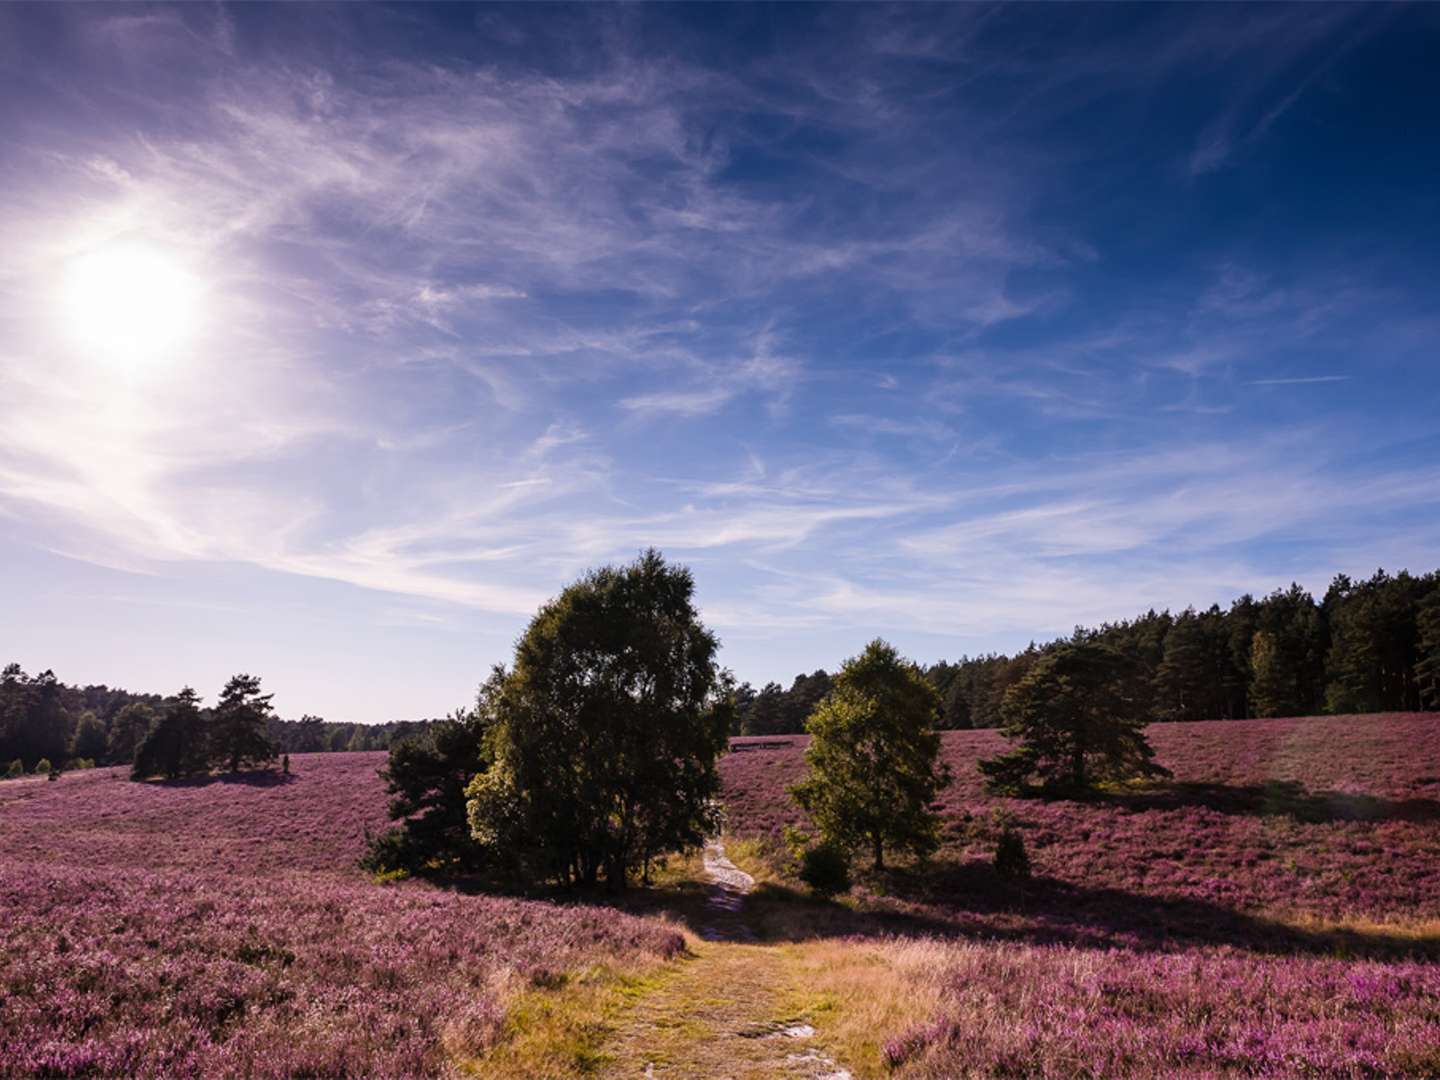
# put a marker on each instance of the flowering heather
(1324, 817)
(221, 928)
(1269, 912)
(1059, 1011)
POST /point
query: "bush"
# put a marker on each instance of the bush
(16, 770)
(394, 851)
(826, 869)
(42, 767)
(1011, 861)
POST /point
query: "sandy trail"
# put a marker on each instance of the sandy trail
(725, 1015)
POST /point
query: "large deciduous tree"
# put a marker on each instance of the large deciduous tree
(606, 730)
(238, 730)
(874, 758)
(1077, 721)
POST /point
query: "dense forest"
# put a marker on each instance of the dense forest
(45, 720)
(1366, 646)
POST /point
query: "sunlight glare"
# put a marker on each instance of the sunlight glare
(130, 306)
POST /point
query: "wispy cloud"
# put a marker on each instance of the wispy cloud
(1299, 380)
(881, 328)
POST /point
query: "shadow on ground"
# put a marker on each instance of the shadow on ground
(245, 778)
(1275, 798)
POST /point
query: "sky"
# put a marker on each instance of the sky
(335, 340)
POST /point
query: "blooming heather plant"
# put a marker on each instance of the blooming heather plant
(1055, 1011)
(1324, 817)
(221, 927)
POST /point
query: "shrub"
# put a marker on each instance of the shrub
(1011, 861)
(825, 868)
(43, 767)
(16, 770)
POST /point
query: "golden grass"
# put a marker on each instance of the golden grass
(561, 1030)
(857, 993)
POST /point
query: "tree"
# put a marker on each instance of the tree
(1077, 721)
(1272, 682)
(1427, 671)
(130, 726)
(176, 745)
(238, 728)
(1183, 678)
(874, 758)
(90, 741)
(426, 777)
(606, 730)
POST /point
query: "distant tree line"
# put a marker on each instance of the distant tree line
(1367, 646)
(45, 720)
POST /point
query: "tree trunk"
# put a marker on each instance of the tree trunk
(879, 852)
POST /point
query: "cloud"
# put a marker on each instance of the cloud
(1299, 381)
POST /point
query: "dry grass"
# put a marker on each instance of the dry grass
(859, 993)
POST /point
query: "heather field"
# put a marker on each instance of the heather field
(221, 928)
(1271, 911)
(1274, 910)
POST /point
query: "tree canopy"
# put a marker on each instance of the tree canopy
(1076, 720)
(874, 758)
(177, 745)
(606, 729)
(238, 730)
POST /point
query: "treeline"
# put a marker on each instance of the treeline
(1367, 646)
(45, 720)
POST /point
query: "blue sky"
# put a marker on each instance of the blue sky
(957, 325)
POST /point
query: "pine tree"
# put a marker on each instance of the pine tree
(238, 730)
(1427, 670)
(176, 745)
(1077, 719)
(1182, 682)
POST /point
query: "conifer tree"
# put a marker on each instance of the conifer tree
(176, 745)
(239, 729)
(1077, 719)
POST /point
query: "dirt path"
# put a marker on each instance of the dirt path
(723, 1014)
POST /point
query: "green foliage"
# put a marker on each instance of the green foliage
(1376, 660)
(178, 744)
(1012, 863)
(16, 770)
(1272, 683)
(238, 728)
(825, 868)
(130, 726)
(1076, 720)
(89, 740)
(43, 767)
(874, 758)
(426, 776)
(34, 722)
(606, 730)
(1427, 668)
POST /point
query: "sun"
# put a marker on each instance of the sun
(130, 306)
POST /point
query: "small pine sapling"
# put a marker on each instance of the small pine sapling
(1011, 861)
